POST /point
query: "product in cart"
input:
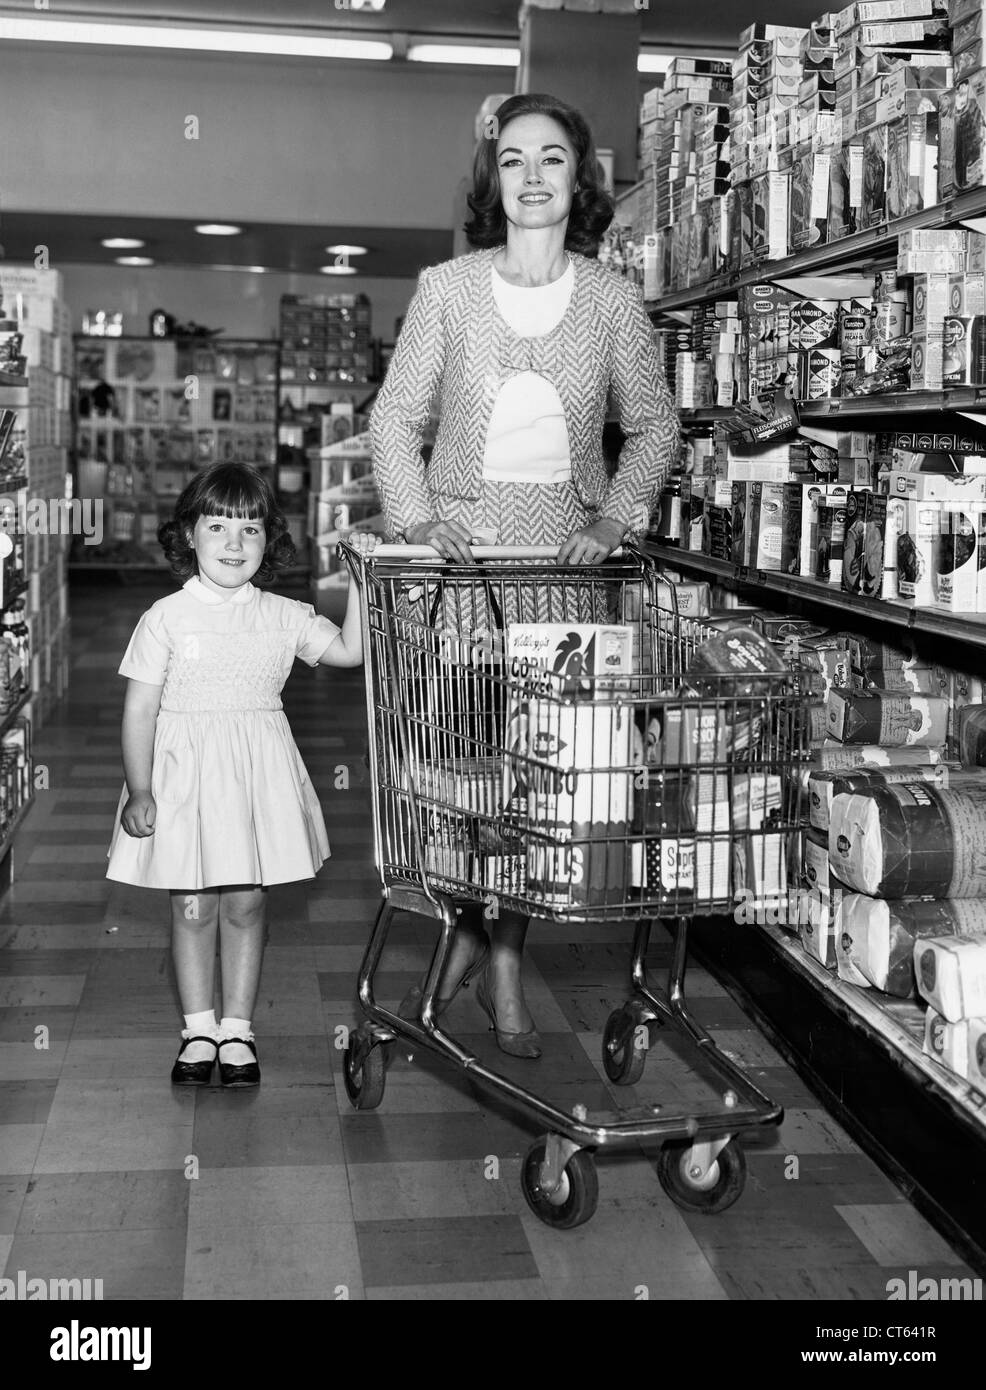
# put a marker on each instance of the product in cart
(569, 775)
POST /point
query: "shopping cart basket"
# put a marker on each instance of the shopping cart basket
(582, 793)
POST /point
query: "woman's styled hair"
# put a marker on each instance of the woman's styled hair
(233, 490)
(592, 207)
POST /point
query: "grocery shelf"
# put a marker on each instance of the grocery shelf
(970, 628)
(970, 398)
(875, 244)
(14, 826)
(7, 720)
(859, 1050)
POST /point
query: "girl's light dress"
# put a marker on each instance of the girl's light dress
(234, 802)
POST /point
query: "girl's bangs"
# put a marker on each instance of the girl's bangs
(242, 502)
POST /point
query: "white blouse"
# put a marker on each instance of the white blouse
(527, 439)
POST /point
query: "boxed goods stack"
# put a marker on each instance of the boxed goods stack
(812, 134)
(325, 338)
(767, 78)
(683, 167)
(891, 126)
(962, 109)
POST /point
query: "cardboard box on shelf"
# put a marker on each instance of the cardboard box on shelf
(962, 128)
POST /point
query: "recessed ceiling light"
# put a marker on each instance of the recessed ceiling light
(218, 229)
(338, 270)
(123, 243)
(343, 250)
(134, 260)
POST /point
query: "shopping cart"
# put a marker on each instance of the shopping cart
(572, 796)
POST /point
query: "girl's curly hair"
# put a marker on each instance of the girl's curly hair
(592, 207)
(234, 490)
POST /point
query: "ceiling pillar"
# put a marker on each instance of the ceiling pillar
(587, 55)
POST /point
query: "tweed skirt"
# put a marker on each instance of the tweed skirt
(523, 514)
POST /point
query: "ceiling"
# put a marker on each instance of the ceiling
(710, 23)
(75, 239)
(298, 249)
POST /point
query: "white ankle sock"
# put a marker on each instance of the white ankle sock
(236, 1055)
(200, 1025)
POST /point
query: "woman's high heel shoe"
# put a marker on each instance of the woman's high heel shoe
(410, 1006)
(514, 1044)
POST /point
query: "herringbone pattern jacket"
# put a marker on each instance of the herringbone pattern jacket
(455, 349)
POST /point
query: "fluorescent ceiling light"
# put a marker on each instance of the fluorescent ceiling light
(264, 43)
(475, 54)
(134, 260)
(338, 269)
(218, 229)
(123, 243)
(244, 269)
(343, 250)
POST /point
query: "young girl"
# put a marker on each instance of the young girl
(217, 804)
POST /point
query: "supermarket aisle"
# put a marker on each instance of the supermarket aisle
(296, 1195)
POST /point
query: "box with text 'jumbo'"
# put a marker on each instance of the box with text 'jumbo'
(568, 771)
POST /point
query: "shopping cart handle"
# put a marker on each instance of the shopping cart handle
(480, 552)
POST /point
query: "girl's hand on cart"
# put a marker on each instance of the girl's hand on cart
(591, 544)
(363, 541)
(449, 538)
(139, 814)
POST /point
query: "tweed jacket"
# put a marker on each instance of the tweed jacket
(455, 351)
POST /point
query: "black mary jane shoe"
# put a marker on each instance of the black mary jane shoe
(194, 1073)
(246, 1074)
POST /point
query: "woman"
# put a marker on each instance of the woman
(522, 342)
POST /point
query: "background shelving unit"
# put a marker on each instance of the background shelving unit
(149, 412)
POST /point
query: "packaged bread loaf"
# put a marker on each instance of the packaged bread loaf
(889, 718)
(911, 840)
(951, 975)
(878, 936)
(831, 756)
(823, 786)
(819, 926)
(946, 1042)
(976, 1051)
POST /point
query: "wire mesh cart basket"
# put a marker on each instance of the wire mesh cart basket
(621, 781)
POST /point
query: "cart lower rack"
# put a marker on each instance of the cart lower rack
(588, 789)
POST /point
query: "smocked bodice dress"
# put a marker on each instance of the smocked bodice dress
(234, 803)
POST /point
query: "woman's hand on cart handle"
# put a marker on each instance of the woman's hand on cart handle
(591, 544)
(450, 538)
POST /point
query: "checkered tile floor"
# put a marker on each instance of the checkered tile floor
(107, 1172)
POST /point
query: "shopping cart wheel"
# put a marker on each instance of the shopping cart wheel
(625, 1043)
(365, 1080)
(705, 1193)
(577, 1194)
